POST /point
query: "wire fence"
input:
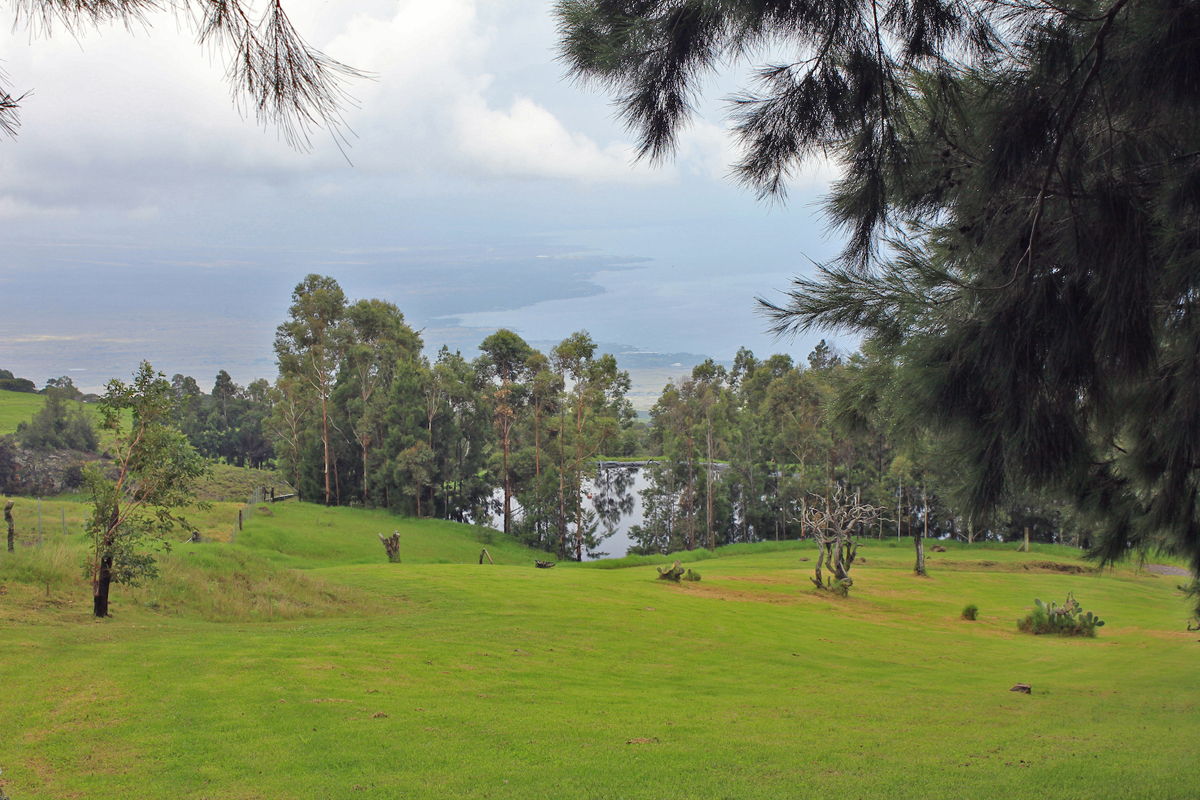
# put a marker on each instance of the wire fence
(261, 496)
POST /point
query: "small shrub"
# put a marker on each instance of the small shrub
(691, 575)
(1065, 620)
(970, 612)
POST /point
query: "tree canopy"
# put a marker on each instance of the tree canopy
(1020, 187)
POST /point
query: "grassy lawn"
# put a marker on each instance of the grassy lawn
(296, 663)
(17, 407)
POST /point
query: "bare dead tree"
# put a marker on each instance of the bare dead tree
(270, 68)
(836, 520)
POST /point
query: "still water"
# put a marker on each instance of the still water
(617, 501)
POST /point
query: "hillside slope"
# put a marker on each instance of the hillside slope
(304, 665)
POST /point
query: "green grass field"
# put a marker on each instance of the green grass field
(18, 407)
(297, 663)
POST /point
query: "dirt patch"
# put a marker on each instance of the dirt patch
(738, 595)
(762, 580)
(1059, 566)
(1164, 569)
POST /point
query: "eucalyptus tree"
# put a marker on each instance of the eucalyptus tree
(675, 416)
(376, 338)
(715, 402)
(1019, 185)
(466, 438)
(309, 348)
(545, 395)
(291, 404)
(595, 395)
(504, 357)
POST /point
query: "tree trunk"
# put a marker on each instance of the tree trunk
(712, 540)
(537, 441)
(691, 508)
(100, 586)
(562, 488)
(365, 443)
(507, 483)
(579, 478)
(325, 440)
(102, 578)
(919, 539)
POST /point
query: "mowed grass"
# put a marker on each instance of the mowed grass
(436, 680)
(18, 407)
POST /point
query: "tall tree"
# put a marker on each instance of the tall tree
(504, 357)
(375, 339)
(309, 346)
(290, 406)
(156, 471)
(596, 391)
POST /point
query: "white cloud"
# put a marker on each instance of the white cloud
(15, 208)
(527, 140)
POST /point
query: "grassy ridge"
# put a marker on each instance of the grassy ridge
(439, 680)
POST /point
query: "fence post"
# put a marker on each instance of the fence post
(64, 517)
(39, 522)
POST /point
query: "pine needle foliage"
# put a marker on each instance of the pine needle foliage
(1020, 189)
(271, 70)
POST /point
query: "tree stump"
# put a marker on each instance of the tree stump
(673, 573)
(542, 564)
(392, 545)
(8, 517)
(1023, 688)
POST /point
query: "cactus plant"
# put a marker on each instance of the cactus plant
(1065, 620)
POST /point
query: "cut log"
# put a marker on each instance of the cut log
(537, 562)
(1023, 688)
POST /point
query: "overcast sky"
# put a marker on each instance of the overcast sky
(145, 218)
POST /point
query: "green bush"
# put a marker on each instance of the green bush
(970, 612)
(1065, 620)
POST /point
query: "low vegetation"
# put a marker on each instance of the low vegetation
(1065, 620)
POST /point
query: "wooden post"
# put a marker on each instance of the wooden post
(239, 519)
(8, 517)
(1026, 539)
(39, 522)
(64, 518)
(489, 557)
